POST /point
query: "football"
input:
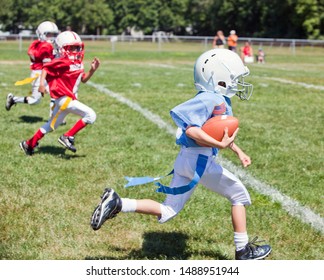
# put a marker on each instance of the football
(215, 126)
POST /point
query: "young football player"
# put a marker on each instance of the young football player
(218, 75)
(40, 52)
(63, 75)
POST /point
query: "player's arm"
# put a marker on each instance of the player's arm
(47, 53)
(197, 134)
(244, 158)
(42, 87)
(94, 66)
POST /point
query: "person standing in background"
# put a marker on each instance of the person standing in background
(232, 41)
(219, 40)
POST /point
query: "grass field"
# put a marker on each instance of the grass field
(46, 200)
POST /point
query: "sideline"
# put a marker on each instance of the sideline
(293, 207)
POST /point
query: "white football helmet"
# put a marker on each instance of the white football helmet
(68, 44)
(47, 31)
(223, 71)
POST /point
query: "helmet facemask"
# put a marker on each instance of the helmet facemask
(74, 52)
(49, 37)
(47, 31)
(243, 90)
(68, 44)
(237, 87)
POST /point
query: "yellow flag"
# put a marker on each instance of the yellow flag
(26, 80)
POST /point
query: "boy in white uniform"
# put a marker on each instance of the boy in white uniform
(219, 75)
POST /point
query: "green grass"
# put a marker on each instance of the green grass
(46, 200)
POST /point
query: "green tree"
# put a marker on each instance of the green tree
(250, 18)
(91, 17)
(149, 15)
(5, 14)
(201, 18)
(311, 14)
(172, 15)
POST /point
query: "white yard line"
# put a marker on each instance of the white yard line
(293, 207)
(293, 83)
(285, 81)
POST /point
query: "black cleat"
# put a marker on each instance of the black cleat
(10, 101)
(251, 251)
(28, 150)
(71, 139)
(67, 143)
(108, 208)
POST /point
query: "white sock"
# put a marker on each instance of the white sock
(128, 205)
(240, 240)
(19, 99)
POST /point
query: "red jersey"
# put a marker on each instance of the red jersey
(247, 51)
(63, 77)
(39, 51)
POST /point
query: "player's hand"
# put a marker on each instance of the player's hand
(227, 140)
(95, 64)
(245, 159)
(42, 90)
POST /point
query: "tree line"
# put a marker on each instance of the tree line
(299, 19)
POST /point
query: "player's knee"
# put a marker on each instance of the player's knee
(90, 117)
(167, 213)
(46, 128)
(241, 199)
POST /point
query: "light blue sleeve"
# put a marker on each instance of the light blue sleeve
(195, 111)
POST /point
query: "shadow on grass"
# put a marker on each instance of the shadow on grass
(162, 246)
(53, 150)
(31, 119)
(35, 119)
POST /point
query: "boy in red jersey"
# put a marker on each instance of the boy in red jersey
(64, 75)
(40, 52)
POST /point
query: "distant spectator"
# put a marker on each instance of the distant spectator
(260, 56)
(219, 40)
(247, 53)
(232, 41)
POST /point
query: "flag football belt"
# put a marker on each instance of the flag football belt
(200, 169)
(62, 108)
(26, 80)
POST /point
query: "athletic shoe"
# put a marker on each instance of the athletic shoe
(64, 140)
(71, 139)
(108, 208)
(10, 101)
(251, 251)
(28, 150)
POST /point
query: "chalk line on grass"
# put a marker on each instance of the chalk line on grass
(292, 206)
(305, 85)
(281, 80)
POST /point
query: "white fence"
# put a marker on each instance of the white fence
(161, 38)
